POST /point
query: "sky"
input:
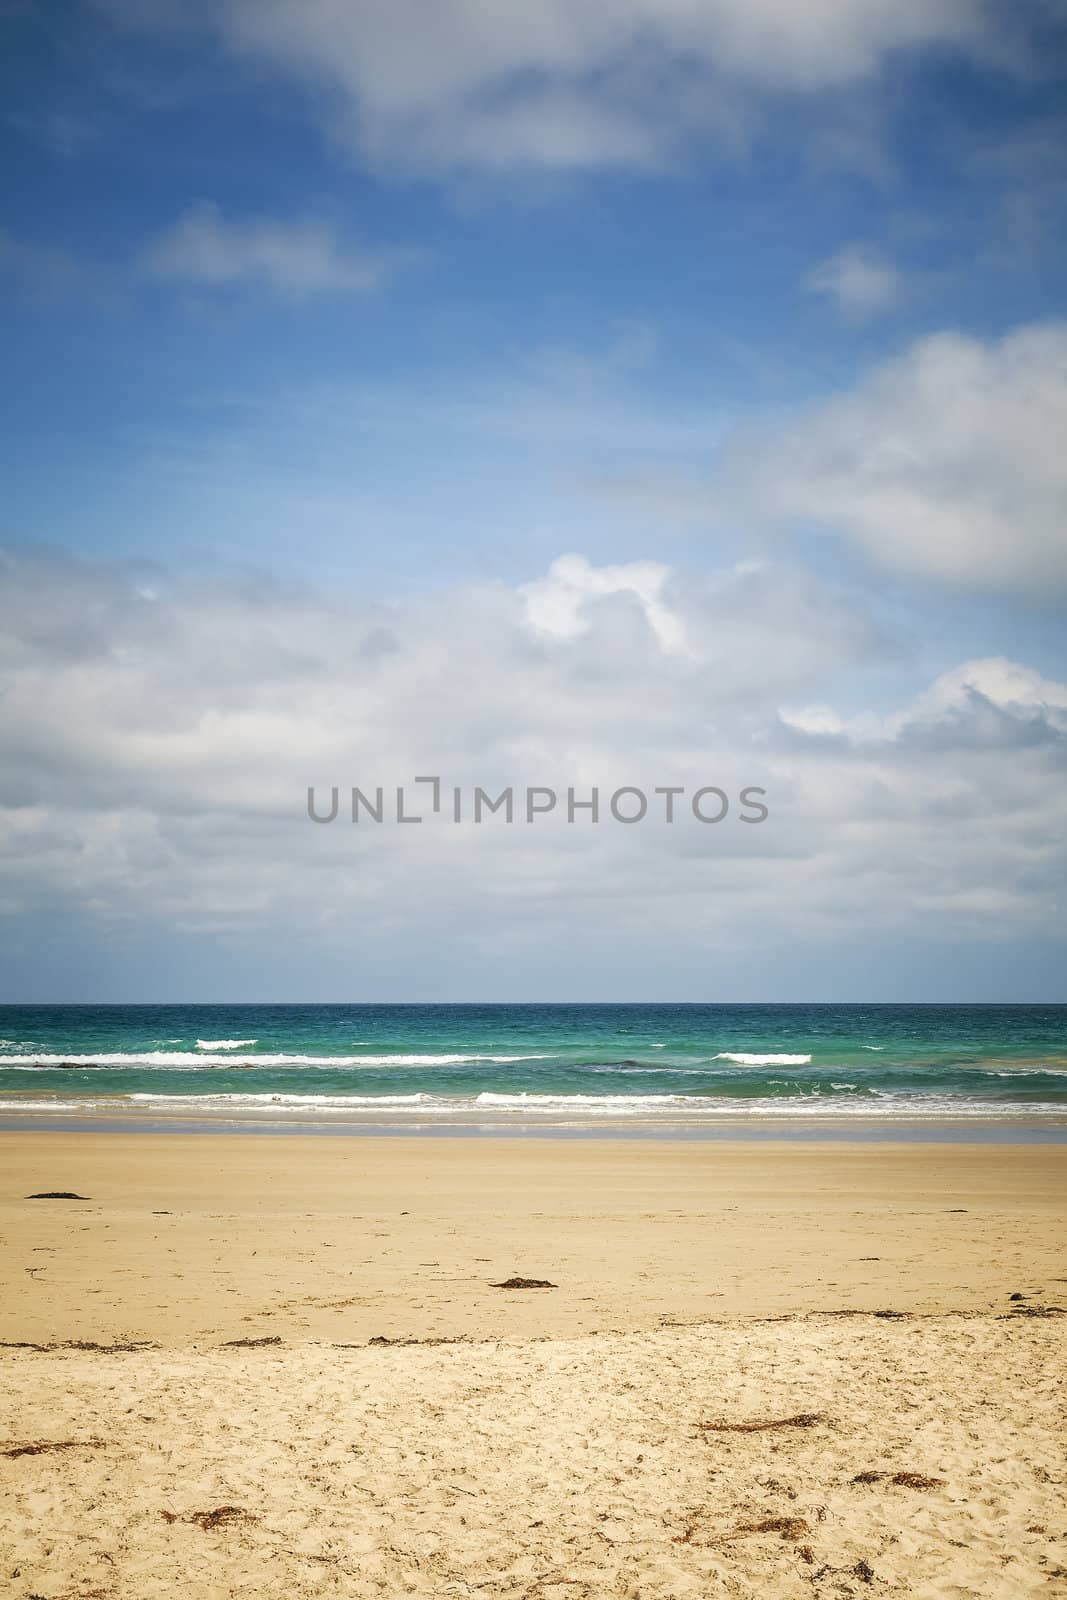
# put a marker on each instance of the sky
(574, 394)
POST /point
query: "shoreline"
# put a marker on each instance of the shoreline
(986, 1129)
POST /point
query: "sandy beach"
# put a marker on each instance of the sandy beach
(767, 1370)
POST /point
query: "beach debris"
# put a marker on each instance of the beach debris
(903, 1480)
(207, 1520)
(524, 1283)
(788, 1529)
(1018, 1297)
(106, 1349)
(56, 1194)
(41, 1447)
(82, 1594)
(1032, 1311)
(77, 1344)
(804, 1419)
(381, 1338)
(250, 1344)
(861, 1569)
(887, 1316)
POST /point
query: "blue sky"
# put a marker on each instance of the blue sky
(326, 323)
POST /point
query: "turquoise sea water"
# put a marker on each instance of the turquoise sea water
(664, 1066)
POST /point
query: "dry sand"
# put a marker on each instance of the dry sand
(538, 1442)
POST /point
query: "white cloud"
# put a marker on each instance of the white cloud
(559, 604)
(567, 83)
(947, 462)
(1014, 689)
(860, 281)
(1022, 697)
(943, 813)
(298, 259)
(159, 736)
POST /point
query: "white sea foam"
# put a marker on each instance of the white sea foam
(654, 1072)
(563, 1109)
(223, 1044)
(872, 1046)
(540, 1102)
(49, 1105)
(744, 1059)
(194, 1060)
(1024, 1072)
(325, 1102)
(433, 1060)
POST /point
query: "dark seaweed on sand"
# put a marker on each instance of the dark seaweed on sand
(41, 1447)
(803, 1419)
(77, 1344)
(887, 1316)
(903, 1480)
(208, 1520)
(787, 1528)
(383, 1339)
(524, 1283)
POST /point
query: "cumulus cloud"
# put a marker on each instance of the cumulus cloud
(298, 259)
(954, 795)
(946, 462)
(160, 734)
(567, 83)
(1023, 703)
(559, 604)
(861, 282)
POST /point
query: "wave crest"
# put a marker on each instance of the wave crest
(744, 1058)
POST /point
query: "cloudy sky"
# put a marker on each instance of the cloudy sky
(557, 392)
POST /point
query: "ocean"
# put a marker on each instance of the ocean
(530, 1067)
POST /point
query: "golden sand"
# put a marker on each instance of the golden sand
(710, 1401)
